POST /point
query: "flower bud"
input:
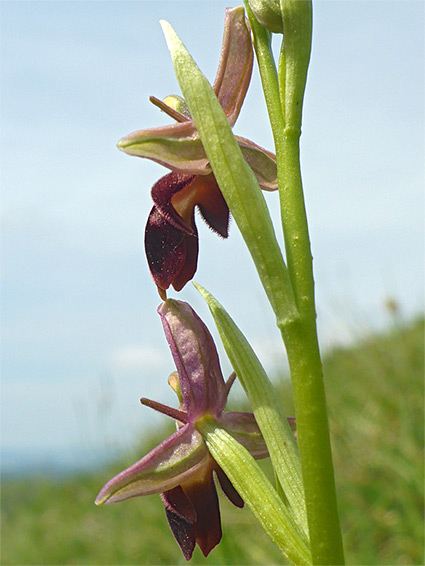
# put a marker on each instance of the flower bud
(268, 13)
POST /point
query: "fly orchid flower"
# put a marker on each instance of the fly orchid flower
(181, 468)
(171, 238)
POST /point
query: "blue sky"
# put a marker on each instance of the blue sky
(81, 340)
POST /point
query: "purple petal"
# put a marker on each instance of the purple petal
(175, 414)
(163, 192)
(196, 360)
(229, 490)
(172, 111)
(179, 458)
(203, 496)
(235, 66)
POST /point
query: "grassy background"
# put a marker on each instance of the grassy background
(375, 397)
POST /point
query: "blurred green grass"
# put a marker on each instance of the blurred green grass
(375, 393)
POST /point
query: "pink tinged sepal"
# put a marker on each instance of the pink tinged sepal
(244, 428)
(262, 163)
(235, 66)
(178, 459)
(196, 360)
(178, 146)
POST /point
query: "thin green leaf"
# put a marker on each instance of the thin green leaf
(265, 404)
(257, 492)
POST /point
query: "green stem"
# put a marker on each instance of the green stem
(292, 71)
(285, 88)
(267, 67)
(314, 442)
(269, 78)
(301, 338)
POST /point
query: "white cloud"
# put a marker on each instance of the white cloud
(134, 359)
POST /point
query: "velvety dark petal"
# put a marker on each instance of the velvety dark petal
(196, 359)
(203, 496)
(228, 488)
(162, 193)
(211, 203)
(166, 250)
(191, 261)
(235, 67)
(181, 517)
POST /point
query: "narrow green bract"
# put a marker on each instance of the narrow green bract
(257, 492)
(235, 178)
(266, 407)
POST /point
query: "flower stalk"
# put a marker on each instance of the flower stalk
(284, 93)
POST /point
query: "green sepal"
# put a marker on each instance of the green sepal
(176, 460)
(175, 146)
